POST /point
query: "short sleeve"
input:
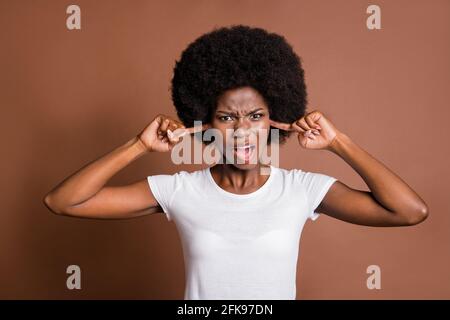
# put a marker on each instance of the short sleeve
(316, 187)
(164, 187)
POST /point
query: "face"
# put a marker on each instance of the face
(239, 116)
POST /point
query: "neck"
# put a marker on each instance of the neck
(229, 175)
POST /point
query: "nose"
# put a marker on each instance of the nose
(242, 128)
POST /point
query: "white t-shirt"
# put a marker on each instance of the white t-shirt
(240, 246)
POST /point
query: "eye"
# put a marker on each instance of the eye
(256, 116)
(225, 118)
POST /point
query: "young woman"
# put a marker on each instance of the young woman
(240, 229)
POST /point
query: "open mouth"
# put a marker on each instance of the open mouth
(244, 152)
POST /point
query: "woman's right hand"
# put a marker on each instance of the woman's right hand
(163, 133)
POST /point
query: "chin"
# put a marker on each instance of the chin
(245, 166)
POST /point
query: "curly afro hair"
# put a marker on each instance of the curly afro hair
(237, 56)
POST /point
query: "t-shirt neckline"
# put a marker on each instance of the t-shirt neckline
(246, 195)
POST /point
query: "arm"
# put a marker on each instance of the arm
(84, 193)
(390, 201)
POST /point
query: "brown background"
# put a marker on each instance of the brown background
(68, 97)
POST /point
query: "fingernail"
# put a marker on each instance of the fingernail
(180, 133)
(170, 134)
(316, 132)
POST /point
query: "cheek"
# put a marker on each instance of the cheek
(264, 124)
(222, 128)
(261, 126)
(262, 131)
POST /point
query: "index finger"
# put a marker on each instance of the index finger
(281, 125)
(198, 128)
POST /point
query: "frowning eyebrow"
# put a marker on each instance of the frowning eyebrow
(233, 113)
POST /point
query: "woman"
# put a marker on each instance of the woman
(240, 228)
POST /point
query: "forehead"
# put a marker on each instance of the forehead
(240, 98)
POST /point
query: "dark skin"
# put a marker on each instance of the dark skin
(243, 111)
(390, 201)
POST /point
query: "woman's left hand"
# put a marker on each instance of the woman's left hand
(314, 130)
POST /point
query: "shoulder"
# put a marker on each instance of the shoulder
(290, 174)
(164, 187)
(178, 178)
(305, 178)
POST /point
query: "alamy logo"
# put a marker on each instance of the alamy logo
(374, 280)
(374, 20)
(74, 20)
(241, 147)
(74, 280)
